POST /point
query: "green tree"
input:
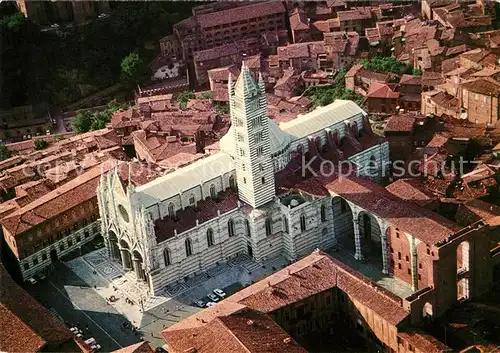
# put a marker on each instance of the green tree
(132, 68)
(184, 97)
(4, 152)
(100, 119)
(387, 64)
(205, 95)
(82, 122)
(40, 144)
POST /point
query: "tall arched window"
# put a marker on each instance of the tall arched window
(249, 231)
(232, 183)
(171, 211)
(210, 237)
(166, 257)
(269, 227)
(303, 223)
(189, 249)
(323, 213)
(230, 227)
(213, 194)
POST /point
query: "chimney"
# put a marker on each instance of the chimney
(250, 322)
(287, 340)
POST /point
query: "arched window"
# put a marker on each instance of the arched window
(171, 211)
(213, 194)
(189, 249)
(232, 183)
(323, 213)
(269, 228)
(230, 227)
(192, 200)
(210, 237)
(249, 231)
(303, 223)
(166, 257)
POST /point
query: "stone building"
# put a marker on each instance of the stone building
(214, 25)
(50, 12)
(480, 98)
(55, 224)
(235, 201)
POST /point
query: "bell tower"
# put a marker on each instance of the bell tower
(248, 109)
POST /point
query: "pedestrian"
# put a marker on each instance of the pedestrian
(151, 334)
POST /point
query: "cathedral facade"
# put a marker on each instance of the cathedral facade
(241, 199)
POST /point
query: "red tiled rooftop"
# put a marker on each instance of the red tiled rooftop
(26, 325)
(424, 342)
(400, 123)
(246, 331)
(381, 90)
(411, 190)
(64, 198)
(141, 347)
(309, 276)
(425, 225)
(186, 219)
(241, 13)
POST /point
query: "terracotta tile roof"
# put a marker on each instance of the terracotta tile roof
(426, 226)
(412, 190)
(358, 13)
(225, 50)
(141, 347)
(241, 13)
(288, 81)
(186, 219)
(308, 276)
(64, 198)
(480, 56)
(476, 209)
(410, 80)
(222, 73)
(26, 325)
(400, 123)
(247, 331)
(298, 20)
(326, 25)
(485, 85)
(424, 342)
(381, 90)
(300, 50)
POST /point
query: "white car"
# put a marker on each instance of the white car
(220, 292)
(95, 347)
(31, 280)
(213, 297)
(200, 303)
(209, 304)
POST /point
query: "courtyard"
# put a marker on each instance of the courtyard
(96, 294)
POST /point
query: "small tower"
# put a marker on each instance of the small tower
(254, 170)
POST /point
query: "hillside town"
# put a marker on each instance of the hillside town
(279, 177)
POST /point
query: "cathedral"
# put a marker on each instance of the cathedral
(253, 196)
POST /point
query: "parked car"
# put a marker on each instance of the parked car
(213, 297)
(31, 280)
(220, 292)
(209, 304)
(200, 303)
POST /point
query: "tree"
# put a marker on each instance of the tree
(205, 95)
(4, 152)
(132, 68)
(184, 97)
(40, 144)
(387, 64)
(82, 122)
(100, 119)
